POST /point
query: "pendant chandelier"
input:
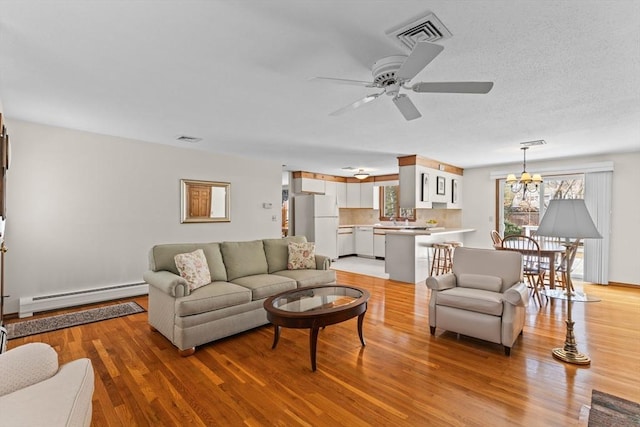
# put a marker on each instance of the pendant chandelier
(526, 182)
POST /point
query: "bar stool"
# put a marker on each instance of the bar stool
(453, 245)
(441, 262)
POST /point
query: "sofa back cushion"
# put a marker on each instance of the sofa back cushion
(480, 281)
(277, 251)
(162, 258)
(244, 258)
(507, 265)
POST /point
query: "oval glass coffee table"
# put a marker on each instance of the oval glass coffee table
(315, 308)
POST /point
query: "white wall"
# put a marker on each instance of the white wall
(480, 206)
(83, 209)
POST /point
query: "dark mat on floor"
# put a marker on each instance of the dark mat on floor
(608, 410)
(61, 321)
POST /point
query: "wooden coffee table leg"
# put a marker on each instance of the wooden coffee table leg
(276, 336)
(360, 321)
(313, 342)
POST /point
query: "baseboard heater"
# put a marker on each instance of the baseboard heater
(30, 305)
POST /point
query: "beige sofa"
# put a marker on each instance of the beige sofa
(35, 391)
(483, 297)
(243, 275)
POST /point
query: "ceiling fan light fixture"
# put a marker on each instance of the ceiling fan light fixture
(361, 174)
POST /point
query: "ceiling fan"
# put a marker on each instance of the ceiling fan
(393, 73)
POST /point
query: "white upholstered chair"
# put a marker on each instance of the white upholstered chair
(483, 297)
(35, 391)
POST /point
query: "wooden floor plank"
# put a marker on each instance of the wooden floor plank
(402, 377)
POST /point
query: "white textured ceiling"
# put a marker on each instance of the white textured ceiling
(236, 73)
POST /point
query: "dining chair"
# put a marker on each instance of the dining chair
(566, 259)
(531, 258)
(496, 238)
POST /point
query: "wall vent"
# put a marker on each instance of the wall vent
(425, 28)
(191, 139)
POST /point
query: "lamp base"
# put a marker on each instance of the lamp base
(574, 357)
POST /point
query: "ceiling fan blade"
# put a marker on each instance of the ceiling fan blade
(358, 103)
(453, 87)
(406, 107)
(346, 81)
(423, 53)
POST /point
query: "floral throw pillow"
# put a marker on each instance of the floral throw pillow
(193, 268)
(301, 256)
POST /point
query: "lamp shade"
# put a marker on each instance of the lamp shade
(568, 218)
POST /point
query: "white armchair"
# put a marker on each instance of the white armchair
(34, 391)
(483, 297)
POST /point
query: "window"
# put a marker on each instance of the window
(390, 206)
(521, 213)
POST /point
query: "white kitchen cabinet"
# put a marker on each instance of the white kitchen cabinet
(419, 188)
(364, 241)
(308, 185)
(341, 192)
(376, 197)
(346, 241)
(366, 195)
(330, 188)
(353, 195)
(378, 243)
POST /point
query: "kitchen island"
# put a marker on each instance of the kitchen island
(408, 252)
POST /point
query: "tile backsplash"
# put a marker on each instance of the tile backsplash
(450, 218)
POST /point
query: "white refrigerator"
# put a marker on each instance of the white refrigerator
(315, 216)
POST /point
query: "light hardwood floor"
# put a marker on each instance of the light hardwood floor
(403, 377)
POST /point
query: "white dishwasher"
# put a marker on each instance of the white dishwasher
(364, 241)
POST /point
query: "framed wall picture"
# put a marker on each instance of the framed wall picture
(425, 187)
(440, 185)
(454, 191)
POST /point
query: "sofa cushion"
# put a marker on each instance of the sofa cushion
(302, 256)
(214, 296)
(277, 251)
(193, 268)
(471, 299)
(266, 285)
(162, 258)
(305, 278)
(504, 264)
(244, 258)
(480, 281)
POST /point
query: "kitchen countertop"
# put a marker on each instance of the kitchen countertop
(402, 230)
(428, 232)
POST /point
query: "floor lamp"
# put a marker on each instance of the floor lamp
(569, 219)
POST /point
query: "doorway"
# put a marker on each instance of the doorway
(521, 211)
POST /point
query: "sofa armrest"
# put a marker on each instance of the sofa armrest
(442, 282)
(322, 262)
(167, 282)
(517, 295)
(26, 365)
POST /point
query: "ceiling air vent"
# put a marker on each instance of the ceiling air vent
(191, 139)
(533, 143)
(425, 28)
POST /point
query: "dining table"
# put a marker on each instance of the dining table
(548, 251)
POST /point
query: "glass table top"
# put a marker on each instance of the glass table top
(321, 298)
(576, 296)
